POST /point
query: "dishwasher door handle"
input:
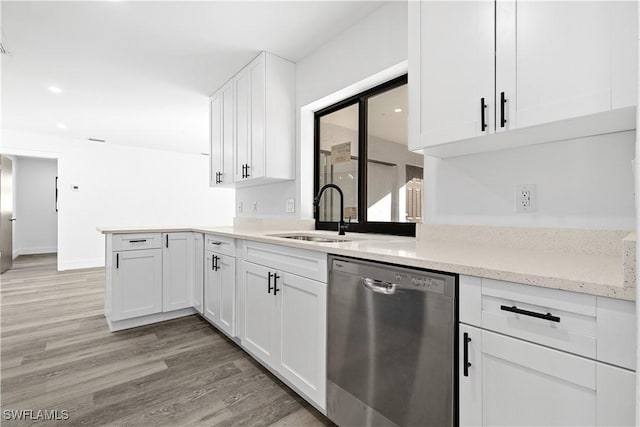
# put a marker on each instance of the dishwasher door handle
(379, 286)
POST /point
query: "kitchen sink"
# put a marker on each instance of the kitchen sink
(311, 238)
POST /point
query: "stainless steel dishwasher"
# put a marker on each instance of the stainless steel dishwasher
(391, 357)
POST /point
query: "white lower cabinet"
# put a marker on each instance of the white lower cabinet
(220, 281)
(529, 362)
(177, 271)
(284, 326)
(136, 283)
(198, 272)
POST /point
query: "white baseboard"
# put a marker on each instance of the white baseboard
(79, 264)
(147, 320)
(34, 251)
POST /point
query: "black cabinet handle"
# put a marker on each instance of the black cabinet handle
(275, 284)
(514, 309)
(243, 171)
(117, 260)
(247, 171)
(269, 287)
(466, 365)
(503, 101)
(166, 238)
(138, 241)
(483, 108)
(213, 262)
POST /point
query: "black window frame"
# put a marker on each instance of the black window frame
(363, 225)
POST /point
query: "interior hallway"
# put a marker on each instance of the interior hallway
(57, 353)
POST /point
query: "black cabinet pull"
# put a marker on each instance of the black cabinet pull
(483, 107)
(166, 238)
(138, 241)
(247, 171)
(269, 287)
(503, 101)
(466, 365)
(243, 171)
(275, 284)
(117, 260)
(514, 309)
(213, 262)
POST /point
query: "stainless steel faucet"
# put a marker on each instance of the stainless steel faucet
(342, 227)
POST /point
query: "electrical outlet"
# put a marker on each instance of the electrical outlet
(526, 198)
(291, 206)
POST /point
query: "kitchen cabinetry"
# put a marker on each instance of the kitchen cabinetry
(531, 356)
(578, 77)
(222, 133)
(220, 285)
(253, 123)
(284, 318)
(177, 271)
(198, 272)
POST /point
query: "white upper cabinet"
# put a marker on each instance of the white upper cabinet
(547, 70)
(452, 69)
(222, 134)
(261, 147)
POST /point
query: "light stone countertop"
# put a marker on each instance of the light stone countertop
(583, 268)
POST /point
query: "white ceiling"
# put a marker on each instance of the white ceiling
(139, 73)
(383, 120)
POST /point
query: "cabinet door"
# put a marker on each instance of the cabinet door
(451, 70)
(527, 384)
(211, 289)
(228, 132)
(257, 146)
(215, 138)
(470, 381)
(226, 313)
(616, 396)
(302, 331)
(242, 117)
(198, 272)
(137, 283)
(553, 60)
(177, 271)
(259, 323)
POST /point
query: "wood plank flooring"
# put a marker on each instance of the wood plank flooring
(57, 354)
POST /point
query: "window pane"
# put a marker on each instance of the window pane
(339, 163)
(394, 174)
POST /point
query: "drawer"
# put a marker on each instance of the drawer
(220, 244)
(554, 318)
(305, 263)
(131, 242)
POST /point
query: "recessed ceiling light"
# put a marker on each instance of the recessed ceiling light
(61, 126)
(55, 89)
(397, 110)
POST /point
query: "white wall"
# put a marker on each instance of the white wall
(121, 186)
(35, 230)
(377, 42)
(582, 183)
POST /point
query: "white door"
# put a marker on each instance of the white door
(211, 288)
(260, 329)
(470, 379)
(257, 146)
(553, 60)
(137, 283)
(215, 136)
(227, 277)
(451, 71)
(302, 324)
(198, 272)
(228, 132)
(242, 117)
(528, 384)
(177, 271)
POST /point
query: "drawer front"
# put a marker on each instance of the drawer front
(551, 317)
(305, 263)
(131, 242)
(220, 244)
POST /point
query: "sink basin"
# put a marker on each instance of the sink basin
(311, 238)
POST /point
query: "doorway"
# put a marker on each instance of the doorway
(29, 204)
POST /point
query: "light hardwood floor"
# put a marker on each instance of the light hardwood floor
(58, 354)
